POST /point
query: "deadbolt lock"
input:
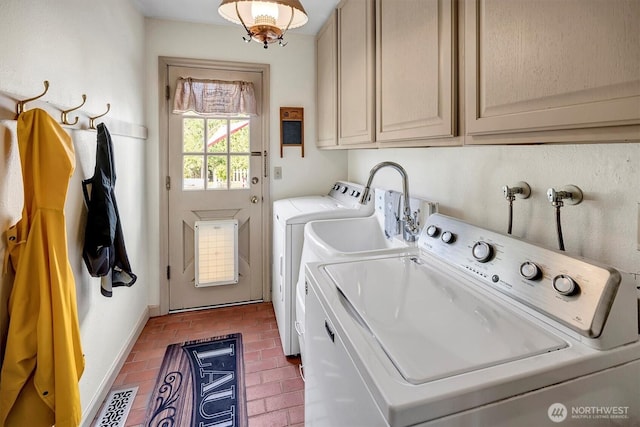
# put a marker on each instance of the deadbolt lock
(254, 180)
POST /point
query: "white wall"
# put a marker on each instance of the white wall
(95, 48)
(292, 70)
(467, 182)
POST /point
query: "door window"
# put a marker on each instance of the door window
(215, 153)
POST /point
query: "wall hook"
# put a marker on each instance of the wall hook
(92, 120)
(65, 119)
(20, 105)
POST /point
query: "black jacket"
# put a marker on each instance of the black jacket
(104, 251)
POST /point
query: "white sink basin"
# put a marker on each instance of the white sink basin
(350, 237)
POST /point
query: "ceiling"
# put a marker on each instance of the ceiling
(206, 11)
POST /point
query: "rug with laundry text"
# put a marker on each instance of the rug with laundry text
(200, 383)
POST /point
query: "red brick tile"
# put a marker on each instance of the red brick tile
(292, 384)
(253, 378)
(260, 345)
(149, 354)
(263, 390)
(287, 400)
(136, 377)
(260, 365)
(252, 356)
(271, 333)
(296, 415)
(286, 361)
(283, 373)
(272, 352)
(154, 363)
(270, 419)
(252, 337)
(145, 387)
(140, 365)
(136, 416)
(256, 407)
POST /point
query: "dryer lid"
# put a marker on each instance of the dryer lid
(432, 326)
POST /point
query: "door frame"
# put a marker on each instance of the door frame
(163, 147)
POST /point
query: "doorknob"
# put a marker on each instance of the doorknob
(254, 199)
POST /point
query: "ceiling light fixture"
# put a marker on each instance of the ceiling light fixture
(266, 21)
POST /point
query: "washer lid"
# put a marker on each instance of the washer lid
(429, 324)
(300, 210)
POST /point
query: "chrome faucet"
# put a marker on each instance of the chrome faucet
(410, 229)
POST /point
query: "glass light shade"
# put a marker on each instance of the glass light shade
(264, 12)
(290, 13)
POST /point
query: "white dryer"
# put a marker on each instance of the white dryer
(289, 218)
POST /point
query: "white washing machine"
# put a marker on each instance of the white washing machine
(474, 328)
(289, 218)
(387, 204)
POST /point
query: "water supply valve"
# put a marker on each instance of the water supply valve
(520, 190)
(569, 194)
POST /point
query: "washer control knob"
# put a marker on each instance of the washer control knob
(433, 231)
(448, 237)
(344, 190)
(530, 271)
(564, 284)
(482, 251)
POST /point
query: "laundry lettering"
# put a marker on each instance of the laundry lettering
(216, 385)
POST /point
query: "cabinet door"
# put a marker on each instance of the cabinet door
(327, 83)
(414, 66)
(551, 65)
(355, 72)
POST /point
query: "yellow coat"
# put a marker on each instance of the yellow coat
(43, 358)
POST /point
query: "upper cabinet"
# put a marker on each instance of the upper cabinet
(395, 74)
(355, 72)
(409, 72)
(414, 70)
(569, 70)
(327, 83)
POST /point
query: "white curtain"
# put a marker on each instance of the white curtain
(214, 97)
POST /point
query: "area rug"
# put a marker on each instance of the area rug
(200, 383)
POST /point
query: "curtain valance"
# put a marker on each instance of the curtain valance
(214, 97)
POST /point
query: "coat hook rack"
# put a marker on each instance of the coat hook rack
(20, 105)
(65, 119)
(92, 120)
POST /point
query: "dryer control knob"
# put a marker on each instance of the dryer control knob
(448, 237)
(482, 251)
(433, 231)
(530, 271)
(564, 284)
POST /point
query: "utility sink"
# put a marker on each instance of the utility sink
(350, 237)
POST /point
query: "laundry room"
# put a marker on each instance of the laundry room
(512, 125)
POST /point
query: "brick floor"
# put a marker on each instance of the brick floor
(274, 389)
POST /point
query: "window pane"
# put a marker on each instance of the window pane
(217, 136)
(217, 173)
(192, 178)
(193, 135)
(240, 136)
(239, 172)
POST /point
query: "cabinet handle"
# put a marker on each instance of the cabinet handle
(331, 334)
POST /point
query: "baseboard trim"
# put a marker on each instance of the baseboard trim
(96, 403)
(154, 311)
